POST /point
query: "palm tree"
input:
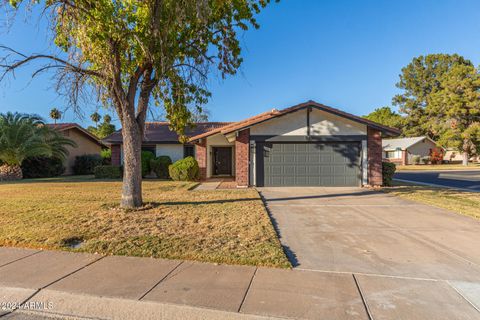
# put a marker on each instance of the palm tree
(55, 114)
(107, 118)
(96, 117)
(23, 136)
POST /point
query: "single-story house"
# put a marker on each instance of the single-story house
(87, 143)
(400, 151)
(309, 144)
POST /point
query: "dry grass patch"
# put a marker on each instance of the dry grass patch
(223, 226)
(463, 202)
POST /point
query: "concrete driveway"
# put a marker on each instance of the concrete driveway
(395, 247)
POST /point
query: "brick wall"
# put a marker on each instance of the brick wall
(201, 156)
(115, 155)
(242, 158)
(374, 145)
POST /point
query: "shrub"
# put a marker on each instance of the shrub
(425, 160)
(147, 156)
(106, 155)
(388, 170)
(108, 172)
(42, 167)
(86, 164)
(416, 159)
(436, 156)
(160, 166)
(184, 170)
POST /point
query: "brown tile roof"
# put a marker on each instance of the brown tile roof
(276, 113)
(72, 125)
(159, 132)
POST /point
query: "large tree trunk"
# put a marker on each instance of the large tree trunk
(465, 158)
(132, 164)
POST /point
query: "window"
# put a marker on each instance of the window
(188, 151)
(149, 149)
(390, 154)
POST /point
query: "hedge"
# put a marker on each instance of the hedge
(388, 170)
(147, 156)
(42, 167)
(160, 166)
(86, 164)
(184, 170)
(108, 172)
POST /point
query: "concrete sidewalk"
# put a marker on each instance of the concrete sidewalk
(74, 285)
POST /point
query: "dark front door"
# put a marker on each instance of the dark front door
(222, 161)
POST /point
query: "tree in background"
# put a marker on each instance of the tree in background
(454, 110)
(55, 114)
(23, 136)
(96, 117)
(104, 129)
(419, 80)
(386, 116)
(137, 50)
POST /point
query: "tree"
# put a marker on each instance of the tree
(454, 111)
(107, 118)
(134, 51)
(386, 116)
(418, 80)
(55, 114)
(23, 136)
(96, 117)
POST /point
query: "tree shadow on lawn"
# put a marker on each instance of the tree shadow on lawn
(154, 204)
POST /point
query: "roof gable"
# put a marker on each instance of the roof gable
(403, 143)
(69, 126)
(274, 113)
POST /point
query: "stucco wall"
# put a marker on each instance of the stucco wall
(85, 146)
(174, 151)
(218, 140)
(421, 149)
(321, 123)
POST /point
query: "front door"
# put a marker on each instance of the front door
(222, 161)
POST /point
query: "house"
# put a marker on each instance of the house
(400, 151)
(87, 143)
(309, 144)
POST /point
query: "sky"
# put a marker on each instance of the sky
(346, 54)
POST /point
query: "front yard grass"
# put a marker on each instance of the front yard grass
(435, 167)
(462, 202)
(221, 226)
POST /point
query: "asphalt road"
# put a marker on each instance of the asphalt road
(454, 179)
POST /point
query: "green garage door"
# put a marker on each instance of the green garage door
(311, 164)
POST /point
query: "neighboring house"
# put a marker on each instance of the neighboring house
(400, 151)
(309, 144)
(453, 155)
(87, 143)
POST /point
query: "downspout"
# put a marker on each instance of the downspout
(309, 109)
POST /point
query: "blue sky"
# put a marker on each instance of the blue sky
(346, 54)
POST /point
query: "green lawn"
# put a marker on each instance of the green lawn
(223, 226)
(462, 202)
(431, 167)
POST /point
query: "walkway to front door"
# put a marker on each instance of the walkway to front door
(222, 161)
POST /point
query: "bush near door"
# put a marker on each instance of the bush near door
(184, 170)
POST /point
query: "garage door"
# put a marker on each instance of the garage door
(311, 164)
